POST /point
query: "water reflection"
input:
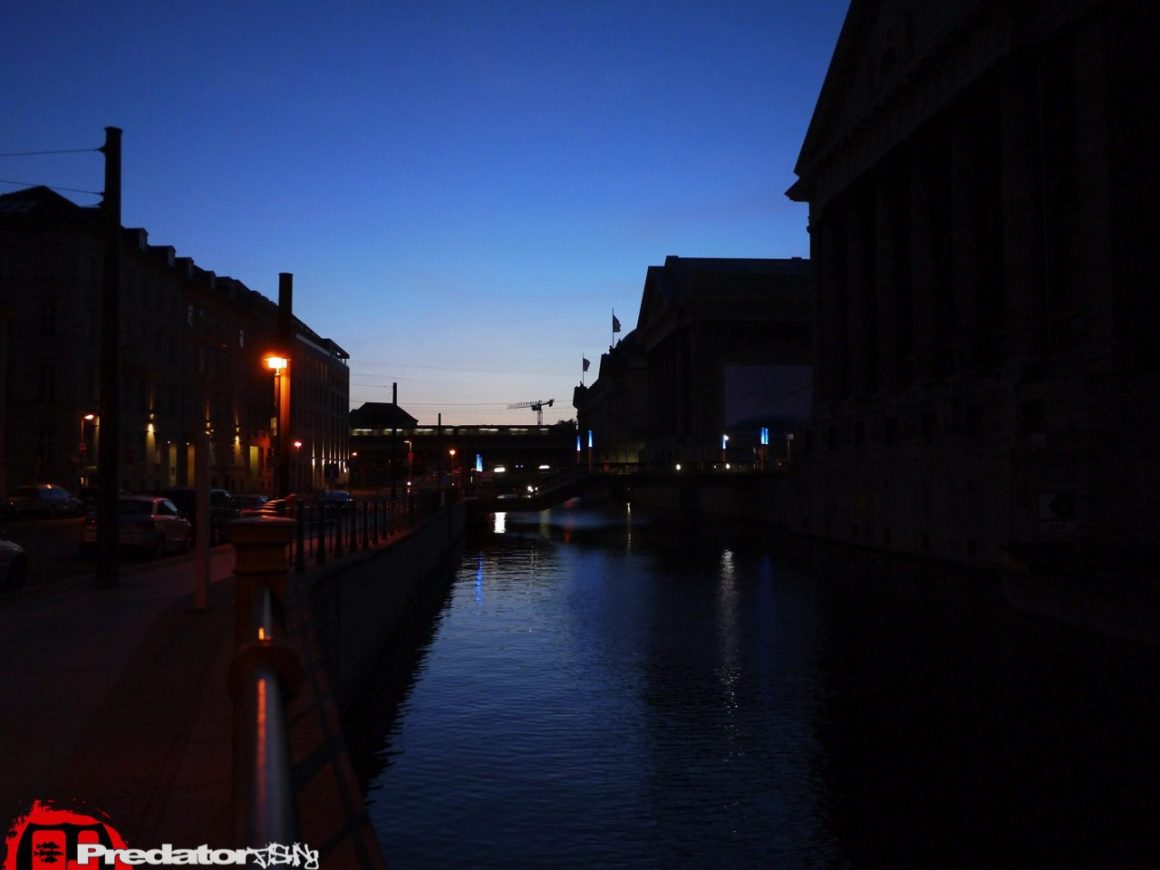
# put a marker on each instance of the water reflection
(702, 699)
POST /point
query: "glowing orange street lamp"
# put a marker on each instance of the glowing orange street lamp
(280, 366)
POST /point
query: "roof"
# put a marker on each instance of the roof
(731, 285)
(44, 206)
(381, 415)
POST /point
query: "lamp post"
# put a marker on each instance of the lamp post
(83, 449)
(410, 459)
(724, 448)
(298, 466)
(280, 366)
(451, 452)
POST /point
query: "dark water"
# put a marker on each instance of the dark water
(598, 690)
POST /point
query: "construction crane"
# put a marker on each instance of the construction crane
(537, 406)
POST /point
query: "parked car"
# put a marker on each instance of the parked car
(13, 565)
(250, 504)
(44, 500)
(338, 501)
(285, 507)
(221, 509)
(149, 523)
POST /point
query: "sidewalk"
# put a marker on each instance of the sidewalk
(115, 700)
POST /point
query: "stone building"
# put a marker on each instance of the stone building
(981, 180)
(727, 349)
(192, 348)
(614, 408)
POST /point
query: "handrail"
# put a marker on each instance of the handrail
(264, 676)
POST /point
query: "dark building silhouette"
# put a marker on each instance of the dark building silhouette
(721, 347)
(614, 408)
(389, 445)
(192, 349)
(981, 178)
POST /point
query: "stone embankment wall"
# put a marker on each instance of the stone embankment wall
(759, 498)
(358, 603)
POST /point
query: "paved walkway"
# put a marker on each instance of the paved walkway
(102, 688)
(115, 700)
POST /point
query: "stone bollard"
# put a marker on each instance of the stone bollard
(260, 543)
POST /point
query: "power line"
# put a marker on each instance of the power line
(50, 186)
(57, 151)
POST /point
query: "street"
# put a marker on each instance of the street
(52, 546)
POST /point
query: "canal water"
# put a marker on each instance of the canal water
(601, 688)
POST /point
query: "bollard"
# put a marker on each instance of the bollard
(260, 566)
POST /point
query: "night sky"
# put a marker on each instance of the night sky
(463, 191)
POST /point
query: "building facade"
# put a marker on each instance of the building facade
(612, 412)
(191, 343)
(727, 344)
(979, 178)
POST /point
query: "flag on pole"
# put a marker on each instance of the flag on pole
(584, 362)
(615, 322)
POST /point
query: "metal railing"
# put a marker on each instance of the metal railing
(323, 532)
(266, 671)
(264, 676)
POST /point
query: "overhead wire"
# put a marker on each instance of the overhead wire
(50, 186)
(55, 151)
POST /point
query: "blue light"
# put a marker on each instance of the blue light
(478, 462)
(577, 443)
(590, 438)
(765, 436)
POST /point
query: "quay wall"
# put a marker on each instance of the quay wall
(358, 603)
(759, 498)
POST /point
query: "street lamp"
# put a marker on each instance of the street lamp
(83, 449)
(297, 466)
(724, 447)
(280, 366)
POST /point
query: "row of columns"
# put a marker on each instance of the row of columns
(935, 261)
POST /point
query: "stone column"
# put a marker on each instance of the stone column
(965, 241)
(856, 296)
(829, 348)
(923, 284)
(1022, 215)
(885, 285)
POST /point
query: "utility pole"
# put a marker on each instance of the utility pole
(108, 536)
(394, 440)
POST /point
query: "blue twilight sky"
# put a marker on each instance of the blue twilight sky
(464, 191)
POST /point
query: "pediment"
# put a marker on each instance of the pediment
(654, 300)
(880, 42)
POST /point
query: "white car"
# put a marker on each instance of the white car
(13, 565)
(150, 523)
